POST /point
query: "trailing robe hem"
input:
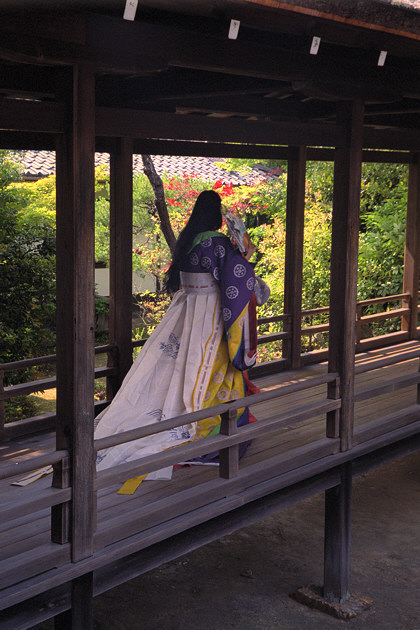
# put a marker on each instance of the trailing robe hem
(194, 359)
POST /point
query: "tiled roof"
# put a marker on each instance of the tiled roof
(37, 164)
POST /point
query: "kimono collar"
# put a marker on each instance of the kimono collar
(202, 237)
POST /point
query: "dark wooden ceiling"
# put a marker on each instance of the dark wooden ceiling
(170, 74)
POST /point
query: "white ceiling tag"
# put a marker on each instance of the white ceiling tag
(234, 29)
(315, 45)
(130, 9)
(382, 57)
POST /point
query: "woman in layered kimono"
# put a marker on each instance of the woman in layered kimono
(199, 353)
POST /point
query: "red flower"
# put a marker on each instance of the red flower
(217, 184)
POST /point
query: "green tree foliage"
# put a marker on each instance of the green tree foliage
(27, 242)
(28, 219)
(150, 251)
(27, 279)
(381, 246)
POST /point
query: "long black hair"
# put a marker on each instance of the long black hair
(206, 215)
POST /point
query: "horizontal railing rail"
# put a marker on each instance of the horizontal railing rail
(361, 320)
(370, 365)
(274, 318)
(28, 465)
(386, 387)
(46, 383)
(395, 419)
(44, 421)
(50, 358)
(30, 387)
(218, 442)
(196, 416)
(263, 427)
(384, 299)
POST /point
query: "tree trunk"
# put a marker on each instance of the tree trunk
(160, 202)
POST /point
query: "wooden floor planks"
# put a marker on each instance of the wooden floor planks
(25, 547)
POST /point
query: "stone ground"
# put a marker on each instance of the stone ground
(243, 581)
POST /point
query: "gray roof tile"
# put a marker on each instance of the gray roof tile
(42, 163)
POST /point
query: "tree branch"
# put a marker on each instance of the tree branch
(160, 202)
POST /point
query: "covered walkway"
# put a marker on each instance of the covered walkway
(290, 458)
(297, 84)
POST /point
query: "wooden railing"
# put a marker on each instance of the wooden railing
(47, 420)
(224, 488)
(363, 342)
(396, 421)
(234, 484)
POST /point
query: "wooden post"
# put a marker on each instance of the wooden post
(293, 265)
(75, 305)
(80, 616)
(343, 292)
(344, 252)
(418, 389)
(338, 538)
(229, 457)
(60, 514)
(2, 405)
(333, 417)
(412, 249)
(120, 255)
(359, 314)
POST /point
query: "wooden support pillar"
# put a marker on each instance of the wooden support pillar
(229, 457)
(344, 253)
(75, 306)
(412, 249)
(293, 266)
(343, 291)
(338, 538)
(2, 406)
(80, 616)
(120, 255)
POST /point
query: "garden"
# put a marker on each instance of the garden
(27, 254)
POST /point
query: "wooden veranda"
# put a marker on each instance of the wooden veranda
(174, 82)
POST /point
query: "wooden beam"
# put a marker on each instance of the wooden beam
(208, 149)
(180, 47)
(240, 105)
(27, 141)
(32, 118)
(272, 19)
(120, 255)
(140, 124)
(47, 142)
(394, 139)
(151, 91)
(20, 115)
(295, 210)
(74, 38)
(409, 322)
